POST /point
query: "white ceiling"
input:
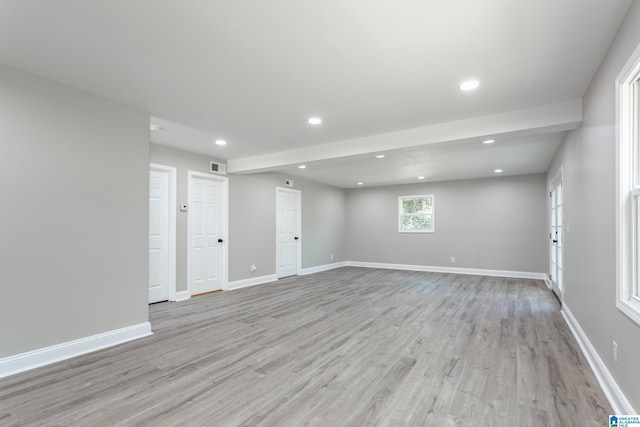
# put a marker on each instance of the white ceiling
(252, 72)
(463, 159)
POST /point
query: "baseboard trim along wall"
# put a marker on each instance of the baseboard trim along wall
(326, 267)
(45, 356)
(431, 269)
(320, 268)
(182, 296)
(252, 281)
(616, 397)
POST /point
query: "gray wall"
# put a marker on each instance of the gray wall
(587, 158)
(74, 229)
(253, 217)
(252, 211)
(495, 223)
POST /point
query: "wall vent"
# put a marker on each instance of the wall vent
(220, 168)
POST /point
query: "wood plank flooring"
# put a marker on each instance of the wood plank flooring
(347, 347)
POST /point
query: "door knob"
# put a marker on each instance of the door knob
(296, 237)
(219, 240)
(554, 241)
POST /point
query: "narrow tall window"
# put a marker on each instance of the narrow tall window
(634, 141)
(628, 166)
(416, 214)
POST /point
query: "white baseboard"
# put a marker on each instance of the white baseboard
(320, 268)
(182, 296)
(616, 397)
(33, 359)
(252, 281)
(547, 280)
(431, 269)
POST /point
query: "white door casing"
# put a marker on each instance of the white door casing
(162, 233)
(556, 235)
(288, 232)
(207, 224)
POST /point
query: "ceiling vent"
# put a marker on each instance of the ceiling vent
(220, 168)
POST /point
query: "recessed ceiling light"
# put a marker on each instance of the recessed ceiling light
(488, 141)
(421, 177)
(154, 128)
(221, 142)
(315, 120)
(469, 85)
(360, 183)
(380, 156)
(302, 167)
(498, 171)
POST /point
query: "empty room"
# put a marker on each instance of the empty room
(407, 213)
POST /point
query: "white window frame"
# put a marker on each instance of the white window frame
(433, 213)
(628, 186)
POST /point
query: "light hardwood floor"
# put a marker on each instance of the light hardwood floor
(346, 347)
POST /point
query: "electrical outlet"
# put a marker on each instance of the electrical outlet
(453, 259)
(615, 352)
(253, 268)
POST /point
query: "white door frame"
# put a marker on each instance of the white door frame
(172, 172)
(224, 274)
(298, 194)
(558, 290)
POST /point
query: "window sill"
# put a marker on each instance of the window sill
(631, 308)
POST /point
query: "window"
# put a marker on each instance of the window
(628, 168)
(415, 214)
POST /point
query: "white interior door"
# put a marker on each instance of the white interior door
(162, 233)
(158, 236)
(556, 237)
(287, 232)
(205, 235)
